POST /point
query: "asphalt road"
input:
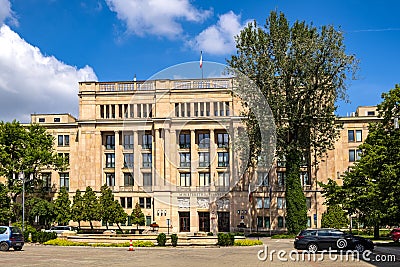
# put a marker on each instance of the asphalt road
(284, 255)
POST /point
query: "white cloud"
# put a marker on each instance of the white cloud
(6, 12)
(31, 82)
(156, 17)
(219, 39)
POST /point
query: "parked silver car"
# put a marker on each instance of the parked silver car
(61, 229)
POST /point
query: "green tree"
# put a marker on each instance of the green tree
(77, 208)
(118, 215)
(5, 205)
(91, 207)
(137, 216)
(301, 71)
(370, 188)
(41, 209)
(334, 217)
(107, 206)
(62, 207)
(28, 149)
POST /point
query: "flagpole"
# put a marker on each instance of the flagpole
(201, 64)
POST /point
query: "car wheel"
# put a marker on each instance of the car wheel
(359, 247)
(312, 247)
(18, 248)
(4, 246)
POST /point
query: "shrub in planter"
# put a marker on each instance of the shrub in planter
(174, 240)
(227, 239)
(161, 239)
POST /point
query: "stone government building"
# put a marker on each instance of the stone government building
(166, 144)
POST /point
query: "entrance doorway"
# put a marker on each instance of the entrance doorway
(184, 221)
(223, 221)
(204, 221)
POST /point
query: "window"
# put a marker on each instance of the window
(223, 159)
(259, 221)
(46, 178)
(148, 202)
(281, 162)
(280, 222)
(281, 178)
(146, 160)
(370, 113)
(204, 159)
(63, 140)
(147, 141)
(281, 203)
(204, 179)
(110, 160)
(223, 179)
(263, 179)
(358, 135)
(64, 156)
(129, 202)
(266, 203)
(259, 203)
(185, 179)
(267, 222)
(223, 140)
(128, 179)
(57, 119)
(128, 160)
(308, 202)
(148, 220)
(110, 179)
(122, 201)
(184, 160)
(351, 136)
(110, 141)
(354, 154)
(184, 141)
(308, 221)
(42, 119)
(204, 140)
(147, 179)
(216, 108)
(64, 180)
(145, 202)
(227, 109)
(128, 141)
(305, 178)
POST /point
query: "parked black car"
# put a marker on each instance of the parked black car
(315, 240)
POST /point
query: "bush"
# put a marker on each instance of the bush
(161, 239)
(248, 242)
(227, 239)
(43, 237)
(258, 235)
(210, 234)
(64, 242)
(174, 240)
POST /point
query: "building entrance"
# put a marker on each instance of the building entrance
(223, 221)
(184, 221)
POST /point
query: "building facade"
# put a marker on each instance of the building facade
(169, 146)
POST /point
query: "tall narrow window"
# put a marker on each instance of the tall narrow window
(110, 141)
(128, 160)
(223, 159)
(110, 160)
(184, 160)
(110, 179)
(147, 179)
(204, 159)
(128, 141)
(223, 140)
(128, 179)
(204, 179)
(63, 140)
(184, 141)
(185, 179)
(305, 178)
(352, 155)
(204, 140)
(147, 160)
(358, 135)
(263, 178)
(223, 179)
(350, 135)
(147, 141)
(281, 178)
(64, 180)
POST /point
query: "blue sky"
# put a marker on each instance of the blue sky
(47, 46)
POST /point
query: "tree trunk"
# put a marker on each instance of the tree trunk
(91, 225)
(376, 231)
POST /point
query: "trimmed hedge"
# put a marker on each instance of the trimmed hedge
(161, 239)
(67, 243)
(227, 239)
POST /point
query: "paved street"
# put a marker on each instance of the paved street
(38, 255)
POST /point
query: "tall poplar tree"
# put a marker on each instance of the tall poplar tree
(62, 207)
(91, 207)
(301, 71)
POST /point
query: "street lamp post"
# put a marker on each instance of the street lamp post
(22, 177)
